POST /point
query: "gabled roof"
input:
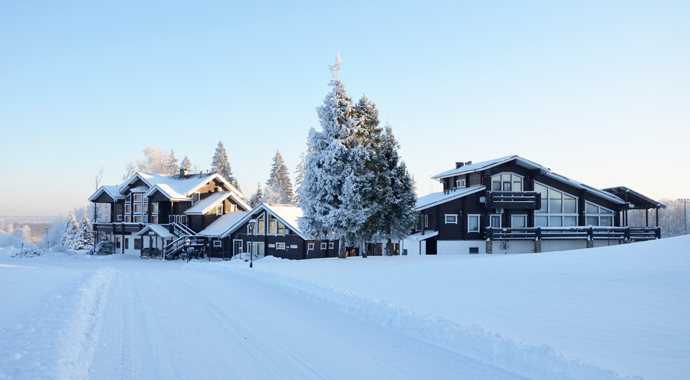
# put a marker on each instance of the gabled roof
(481, 166)
(435, 199)
(288, 215)
(223, 224)
(157, 229)
(207, 204)
(112, 191)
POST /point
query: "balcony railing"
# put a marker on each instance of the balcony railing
(514, 200)
(574, 233)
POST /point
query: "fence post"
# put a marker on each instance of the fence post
(489, 242)
(590, 237)
(627, 236)
(537, 241)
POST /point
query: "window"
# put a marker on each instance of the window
(137, 243)
(154, 208)
(128, 219)
(558, 209)
(219, 209)
(137, 197)
(496, 221)
(154, 219)
(119, 218)
(323, 246)
(426, 221)
(281, 229)
(261, 225)
(506, 182)
(280, 246)
(118, 243)
(518, 221)
(196, 197)
(460, 183)
(451, 219)
(146, 208)
(137, 209)
(330, 245)
(137, 218)
(128, 208)
(271, 225)
(472, 223)
(217, 243)
(126, 243)
(233, 207)
(310, 247)
(596, 215)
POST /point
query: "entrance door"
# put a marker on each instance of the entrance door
(518, 221)
(237, 247)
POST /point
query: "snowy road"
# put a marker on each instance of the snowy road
(152, 320)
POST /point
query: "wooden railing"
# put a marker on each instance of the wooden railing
(577, 233)
(514, 200)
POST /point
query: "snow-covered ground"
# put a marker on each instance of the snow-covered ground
(590, 314)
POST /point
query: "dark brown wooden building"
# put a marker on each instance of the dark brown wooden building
(511, 204)
(149, 212)
(267, 230)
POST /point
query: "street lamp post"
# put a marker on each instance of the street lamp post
(252, 228)
(187, 243)
(685, 212)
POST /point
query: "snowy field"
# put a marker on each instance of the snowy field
(604, 313)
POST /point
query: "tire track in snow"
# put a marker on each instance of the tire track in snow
(81, 332)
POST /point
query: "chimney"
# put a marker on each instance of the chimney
(458, 165)
(183, 173)
(468, 163)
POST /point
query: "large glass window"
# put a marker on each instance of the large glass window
(261, 224)
(558, 208)
(506, 182)
(137, 197)
(598, 216)
(271, 225)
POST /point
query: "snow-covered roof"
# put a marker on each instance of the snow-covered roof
(207, 204)
(419, 237)
(112, 191)
(434, 199)
(286, 214)
(223, 224)
(157, 229)
(484, 165)
(479, 166)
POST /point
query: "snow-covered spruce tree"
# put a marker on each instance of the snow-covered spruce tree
(171, 163)
(331, 189)
(221, 165)
(279, 181)
(71, 234)
(85, 237)
(186, 164)
(370, 138)
(256, 197)
(299, 177)
(274, 194)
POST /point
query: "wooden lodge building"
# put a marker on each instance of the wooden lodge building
(513, 205)
(268, 229)
(149, 212)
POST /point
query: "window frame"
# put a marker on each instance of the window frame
(330, 245)
(459, 182)
(524, 218)
(500, 220)
(599, 215)
(217, 244)
(323, 246)
(469, 217)
(219, 209)
(426, 221)
(310, 246)
(138, 198)
(454, 216)
(511, 182)
(278, 246)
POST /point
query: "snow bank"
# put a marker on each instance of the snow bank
(7, 240)
(474, 342)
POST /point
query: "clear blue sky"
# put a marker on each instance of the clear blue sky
(597, 91)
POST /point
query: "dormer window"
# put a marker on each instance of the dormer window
(196, 197)
(219, 209)
(460, 184)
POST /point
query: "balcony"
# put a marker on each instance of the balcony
(588, 233)
(513, 200)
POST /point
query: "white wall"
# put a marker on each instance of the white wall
(459, 247)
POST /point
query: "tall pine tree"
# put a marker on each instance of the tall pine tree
(299, 177)
(279, 181)
(331, 191)
(255, 200)
(221, 165)
(85, 237)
